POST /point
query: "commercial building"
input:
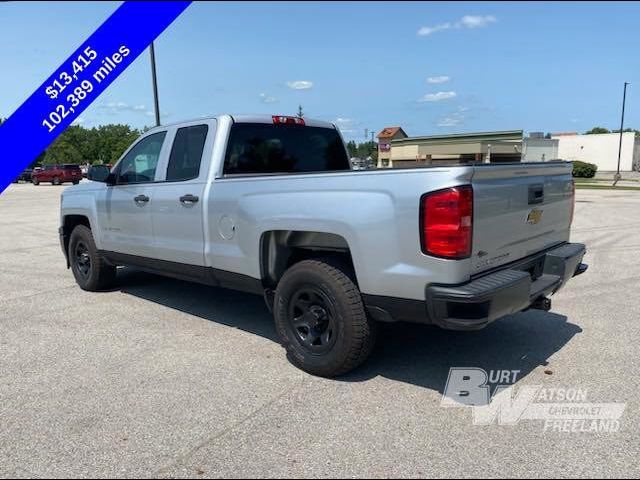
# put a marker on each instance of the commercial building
(396, 149)
(537, 148)
(600, 149)
(385, 137)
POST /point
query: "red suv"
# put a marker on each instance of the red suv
(58, 174)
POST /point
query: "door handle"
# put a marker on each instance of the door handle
(188, 199)
(141, 199)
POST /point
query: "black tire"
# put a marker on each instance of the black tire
(56, 181)
(76, 182)
(91, 271)
(35, 181)
(321, 320)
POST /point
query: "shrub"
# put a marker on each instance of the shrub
(584, 169)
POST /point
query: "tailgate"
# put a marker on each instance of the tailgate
(519, 210)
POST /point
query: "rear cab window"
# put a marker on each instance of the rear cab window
(260, 148)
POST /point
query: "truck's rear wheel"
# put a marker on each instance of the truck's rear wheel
(321, 320)
(90, 270)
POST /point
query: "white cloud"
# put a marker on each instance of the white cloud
(438, 79)
(344, 123)
(151, 113)
(468, 21)
(477, 21)
(300, 84)
(116, 108)
(452, 120)
(437, 97)
(264, 98)
(424, 31)
(347, 126)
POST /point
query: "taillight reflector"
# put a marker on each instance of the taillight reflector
(281, 119)
(447, 222)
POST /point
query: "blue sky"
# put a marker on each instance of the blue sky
(430, 67)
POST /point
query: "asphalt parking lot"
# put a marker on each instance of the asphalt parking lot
(164, 378)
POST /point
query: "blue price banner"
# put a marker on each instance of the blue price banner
(79, 81)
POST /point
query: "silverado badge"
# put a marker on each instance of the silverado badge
(534, 216)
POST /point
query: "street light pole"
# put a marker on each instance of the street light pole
(155, 84)
(624, 99)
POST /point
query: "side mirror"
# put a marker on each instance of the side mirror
(100, 173)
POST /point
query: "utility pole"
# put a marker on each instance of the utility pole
(624, 99)
(300, 113)
(372, 144)
(155, 84)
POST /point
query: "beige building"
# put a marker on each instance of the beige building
(403, 151)
(600, 149)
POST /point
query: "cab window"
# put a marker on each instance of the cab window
(186, 153)
(256, 148)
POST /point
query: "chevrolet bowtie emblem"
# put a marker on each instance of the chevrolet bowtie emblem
(534, 216)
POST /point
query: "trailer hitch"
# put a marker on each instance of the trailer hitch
(541, 303)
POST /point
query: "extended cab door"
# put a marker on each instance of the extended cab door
(124, 209)
(177, 209)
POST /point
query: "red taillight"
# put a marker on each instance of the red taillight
(447, 217)
(573, 200)
(281, 119)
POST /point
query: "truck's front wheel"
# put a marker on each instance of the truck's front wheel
(321, 320)
(90, 270)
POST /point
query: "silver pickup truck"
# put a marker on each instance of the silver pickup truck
(269, 205)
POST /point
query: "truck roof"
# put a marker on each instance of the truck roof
(250, 118)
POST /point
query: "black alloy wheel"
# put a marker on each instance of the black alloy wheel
(312, 319)
(82, 259)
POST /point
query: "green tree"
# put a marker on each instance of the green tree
(368, 149)
(74, 145)
(111, 141)
(596, 130)
(62, 151)
(637, 132)
(82, 139)
(352, 148)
